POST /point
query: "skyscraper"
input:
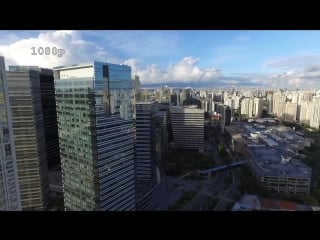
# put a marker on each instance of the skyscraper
(48, 103)
(9, 183)
(28, 129)
(270, 102)
(315, 112)
(279, 102)
(305, 112)
(257, 107)
(247, 107)
(290, 114)
(96, 135)
(187, 127)
(226, 115)
(151, 151)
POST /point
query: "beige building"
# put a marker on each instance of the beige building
(290, 113)
(28, 129)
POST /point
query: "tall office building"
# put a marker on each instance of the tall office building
(96, 135)
(165, 94)
(279, 102)
(270, 102)
(257, 107)
(173, 99)
(9, 183)
(136, 93)
(305, 112)
(48, 103)
(29, 138)
(226, 114)
(229, 102)
(187, 127)
(236, 102)
(151, 152)
(315, 112)
(290, 114)
(247, 107)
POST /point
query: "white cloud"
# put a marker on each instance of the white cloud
(243, 38)
(76, 50)
(296, 82)
(186, 70)
(296, 71)
(305, 78)
(299, 61)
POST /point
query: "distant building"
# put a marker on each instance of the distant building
(151, 152)
(257, 107)
(315, 112)
(270, 102)
(9, 182)
(271, 153)
(226, 114)
(305, 112)
(136, 93)
(276, 172)
(163, 94)
(279, 101)
(173, 99)
(187, 127)
(247, 107)
(290, 114)
(254, 203)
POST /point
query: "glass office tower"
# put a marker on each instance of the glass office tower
(96, 136)
(9, 184)
(151, 153)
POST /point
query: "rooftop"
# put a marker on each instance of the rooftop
(270, 162)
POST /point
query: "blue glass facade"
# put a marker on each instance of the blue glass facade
(109, 166)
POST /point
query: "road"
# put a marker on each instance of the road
(210, 188)
(229, 195)
(213, 186)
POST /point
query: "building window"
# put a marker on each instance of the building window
(8, 150)
(5, 131)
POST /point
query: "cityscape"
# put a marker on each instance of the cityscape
(159, 120)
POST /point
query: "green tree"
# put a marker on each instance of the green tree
(220, 147)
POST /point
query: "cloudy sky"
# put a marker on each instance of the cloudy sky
(272, 59)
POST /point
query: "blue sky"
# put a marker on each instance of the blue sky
(201, 58)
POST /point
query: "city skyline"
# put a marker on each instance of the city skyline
(210, 58)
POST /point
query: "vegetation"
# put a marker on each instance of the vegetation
(248, 182)
(312, 154)
(229, 206)
(297, 126)
(56, 202)
(180, 162)
(228, 182)
(207, 116)
(264, 114)
(223, 154)
(211, 203)
(183, 201)
(312, 159)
